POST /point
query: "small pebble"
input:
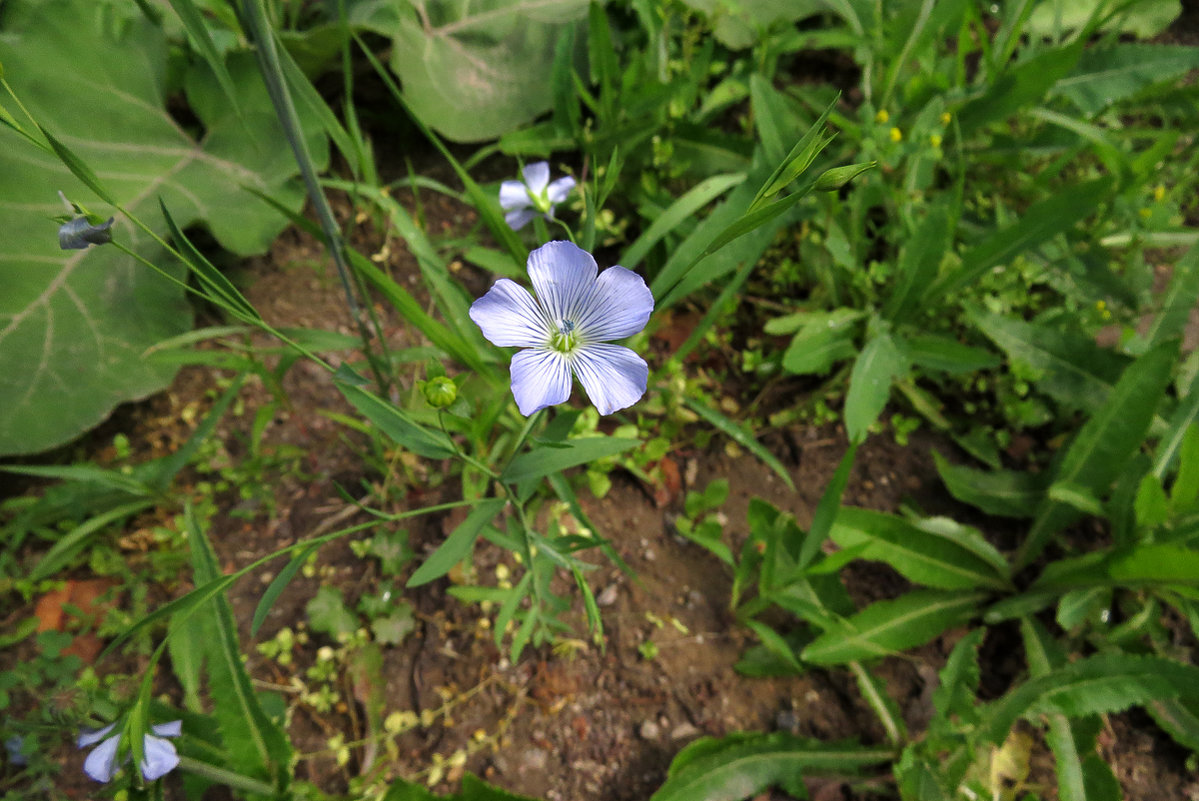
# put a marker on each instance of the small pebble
(607, 596)
(684, 731)
(649, 730)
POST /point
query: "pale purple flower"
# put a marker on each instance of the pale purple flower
(566, 327)
(160, 755)
(524, 200)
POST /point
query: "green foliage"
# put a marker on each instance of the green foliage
(475, 72)
(83, 320)
(255, 745)
(740, 766)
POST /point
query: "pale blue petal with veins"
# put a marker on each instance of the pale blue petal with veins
(566, 329)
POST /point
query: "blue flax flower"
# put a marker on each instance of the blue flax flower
(566, 327)
(160, 756)
(524, 200)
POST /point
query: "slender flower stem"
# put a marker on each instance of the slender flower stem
(257, 26)
(227, 777)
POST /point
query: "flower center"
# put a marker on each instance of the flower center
(540, 200)
(564, 340)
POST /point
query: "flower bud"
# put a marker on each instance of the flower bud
(440, 392)
(837, 177)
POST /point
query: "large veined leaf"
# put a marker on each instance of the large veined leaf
(477, 69)
(74, 324)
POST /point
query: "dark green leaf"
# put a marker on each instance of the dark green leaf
(888, 627)
(541, 462)
(459, 544)
(1004, 493)
(1106, 442)
(1038, 224)
(879, 364)
(931, 553)
(740, 766)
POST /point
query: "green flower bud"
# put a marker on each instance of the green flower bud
(838, 177)
(440, 392)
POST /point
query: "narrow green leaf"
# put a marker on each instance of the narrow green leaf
(201, 41)
(946, 355)
(1105, 442)
(1068, 366)
(541, 462)
(1108, 74)
(1004, 493)
(72, 544)
(874, 691)
(956, 693)
(1040, 223)
(1185, 490)
(680, 210)
(827, 510)
(1019, 87)
(1099, 684)
(776, 645)
(278, 585)
(1179, 718)
(797, 161)
(816, 348)
(1179, 299)
(458, 545)
(888, 627)
(740, 766)
(396, 424)
(925, 553)
(256, 746)
(79, 168)
(740, 435)
(879, 364)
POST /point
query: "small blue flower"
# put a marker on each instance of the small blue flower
(565, 329)
(78, 233)
(15, 746)
(160, 755)
(524, 200)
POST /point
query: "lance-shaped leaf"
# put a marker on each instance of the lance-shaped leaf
(936, 552)
(74, 325)
(888, 627)
(1096, 685)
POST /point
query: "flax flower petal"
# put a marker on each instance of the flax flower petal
(171, 729)
(614, 376)
(519, 218)
(559, 189)
(101, 763)
(540, 378)
(619, 306)
(563, 276)
(537, 176)
(161, 757)
(92, 737)
(514, 195)
(509, 317)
